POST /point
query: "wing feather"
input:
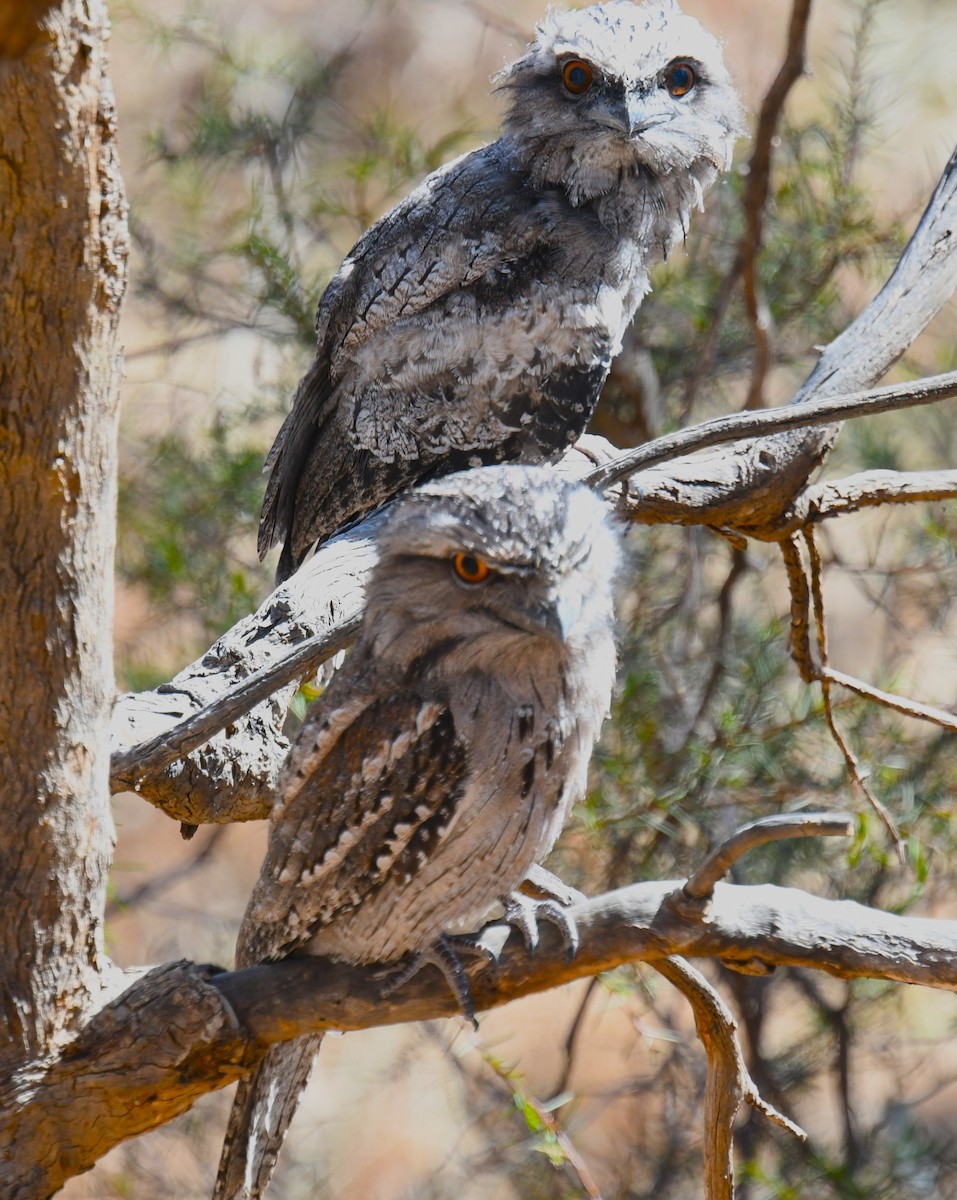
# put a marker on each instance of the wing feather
(364, 791)
(463, 241)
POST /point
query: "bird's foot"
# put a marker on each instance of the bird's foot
(525, 912)
(444, 953)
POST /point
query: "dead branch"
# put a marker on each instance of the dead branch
(808, 415)
(782, 826)
(807, 595)
(905, 706)
(857, 775)
(181, 1030)
(869, 489)
(729, 1081)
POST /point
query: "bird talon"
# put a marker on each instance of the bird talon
(521, 913)
(525, 913)
(443, 955)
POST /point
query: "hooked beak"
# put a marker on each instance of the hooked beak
(633, 114)
(558, 614)
(642, 111)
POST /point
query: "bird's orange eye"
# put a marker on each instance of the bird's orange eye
(470, 569)
(577, 76)
(679, 78)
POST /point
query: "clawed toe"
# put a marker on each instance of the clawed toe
(525, 913)
(443, 954)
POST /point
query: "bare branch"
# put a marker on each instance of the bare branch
(231, 777)
(809, 414)
(858, 777)
(800, 594)
(756, 195)
(571, 1038)
(717, 1031)
(182, 1030)
(868, 489)
(907, 707)
(776, 828)
(729, 1081)
(130, 767)
(739, 563)
(923, 280)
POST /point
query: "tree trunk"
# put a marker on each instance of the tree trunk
(62, 277)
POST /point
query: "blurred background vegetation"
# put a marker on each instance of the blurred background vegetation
(260, 138)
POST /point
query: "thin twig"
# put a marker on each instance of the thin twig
(739, 562)
(837, 1017)
(753, 204)
(850, 758)
(756, 197)
(779, 827)
(550, 1125)
(571, 1038)
(739, 426)
(908, 708)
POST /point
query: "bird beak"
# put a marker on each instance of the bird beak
(642, 112)
(558, 614)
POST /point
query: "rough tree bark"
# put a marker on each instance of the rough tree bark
(62, 277)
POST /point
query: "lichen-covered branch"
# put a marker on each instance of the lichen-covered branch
(231, 776)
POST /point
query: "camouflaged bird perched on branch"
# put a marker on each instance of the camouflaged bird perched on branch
(476, 322)
(438, 767)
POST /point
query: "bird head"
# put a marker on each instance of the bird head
(503, 561)
(619, 88)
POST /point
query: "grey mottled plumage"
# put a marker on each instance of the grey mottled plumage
(438, 767)
(476, 321)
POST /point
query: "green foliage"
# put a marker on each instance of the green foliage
(252, 195)
(188, 503)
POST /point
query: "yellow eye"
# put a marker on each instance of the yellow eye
(679, 78)
(577, 76)
(470, 569)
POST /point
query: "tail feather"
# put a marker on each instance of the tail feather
(265, 1104)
